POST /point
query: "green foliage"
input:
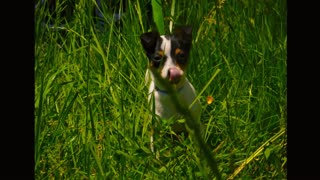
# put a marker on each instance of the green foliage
(91, 109)
(158, 15)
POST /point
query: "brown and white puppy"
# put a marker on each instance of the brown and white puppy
(169, 57)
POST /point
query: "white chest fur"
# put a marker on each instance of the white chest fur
(165, 108)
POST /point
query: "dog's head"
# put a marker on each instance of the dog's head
(168, 54)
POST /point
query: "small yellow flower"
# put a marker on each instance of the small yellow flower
(210, 99)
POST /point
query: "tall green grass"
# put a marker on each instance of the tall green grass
(91, 109)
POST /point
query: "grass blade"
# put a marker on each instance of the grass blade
(256, 153)
(158, 15)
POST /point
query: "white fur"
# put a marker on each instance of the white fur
(164, 106)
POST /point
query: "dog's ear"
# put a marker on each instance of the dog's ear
(183, 32)
(149, 41)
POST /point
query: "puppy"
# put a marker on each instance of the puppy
(168, 59)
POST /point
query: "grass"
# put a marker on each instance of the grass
(91, 109)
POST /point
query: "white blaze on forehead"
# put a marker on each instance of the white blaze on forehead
(166, 45)
(169, 64)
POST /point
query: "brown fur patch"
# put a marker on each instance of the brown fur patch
(160, 53)
(178, 51)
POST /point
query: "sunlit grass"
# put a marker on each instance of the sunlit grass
(91, 109)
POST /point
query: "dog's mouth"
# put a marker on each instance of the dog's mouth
(174, 77)
(176, 84)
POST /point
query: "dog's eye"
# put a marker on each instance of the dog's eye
(157, 59)
(181, 57)
(158, 56)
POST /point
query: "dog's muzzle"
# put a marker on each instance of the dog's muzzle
(174, 75)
